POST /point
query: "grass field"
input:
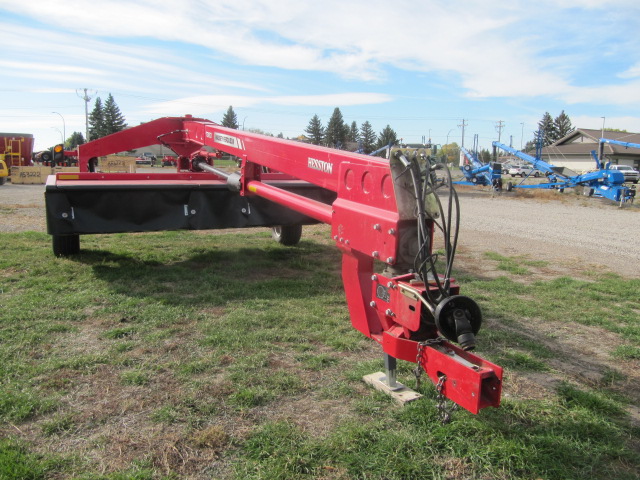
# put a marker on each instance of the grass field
(196, 355)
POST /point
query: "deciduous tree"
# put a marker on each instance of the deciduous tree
(74, 140)
(451, 152)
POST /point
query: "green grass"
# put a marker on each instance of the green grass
(514, 265)
(17, 462)
(226, 355)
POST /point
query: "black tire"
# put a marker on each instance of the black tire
(3, 180)
(65, 245)
(509, 186)
(287, 234)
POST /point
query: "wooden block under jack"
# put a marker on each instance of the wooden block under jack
(399, 393)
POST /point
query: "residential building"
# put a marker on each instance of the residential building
(574, 150)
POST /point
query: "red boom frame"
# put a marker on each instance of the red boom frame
(368, 223)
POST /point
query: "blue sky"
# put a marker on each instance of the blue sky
(420, 66)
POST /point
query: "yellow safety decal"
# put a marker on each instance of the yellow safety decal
(68, 177)
(253, 189)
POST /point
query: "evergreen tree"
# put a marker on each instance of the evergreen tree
(335, 134)
(548, 129)
(230, 119)
(74, 140)
(113, 119)
(315, 130)
(562, 124)
(368, 137)
(354, 133)
(387, 137)
(96, 121)
(347, 133)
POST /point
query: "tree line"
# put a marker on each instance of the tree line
(339, 134)
(106, 118)
(336, 134)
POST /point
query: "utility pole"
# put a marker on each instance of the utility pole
(464, 124)
(499, 127)
(86, 99)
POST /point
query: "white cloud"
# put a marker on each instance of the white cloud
(78, 60)
(8, 67)
(486, 49)
(356, 39)
(631, 72)
(626, 94)
(206, 104)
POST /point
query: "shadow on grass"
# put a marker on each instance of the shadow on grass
(220, 273)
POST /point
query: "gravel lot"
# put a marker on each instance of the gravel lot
(566, 229)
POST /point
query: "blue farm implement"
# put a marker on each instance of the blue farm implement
(602, 182)
(478, 173)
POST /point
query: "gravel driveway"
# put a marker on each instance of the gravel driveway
(546, 225)
(565, 228)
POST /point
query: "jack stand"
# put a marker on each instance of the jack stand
(387, 383)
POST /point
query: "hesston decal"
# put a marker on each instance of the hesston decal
(320, 165)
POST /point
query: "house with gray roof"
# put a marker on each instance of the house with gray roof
(574, 150)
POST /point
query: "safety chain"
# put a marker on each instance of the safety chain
(444, 411)
(418, 370)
